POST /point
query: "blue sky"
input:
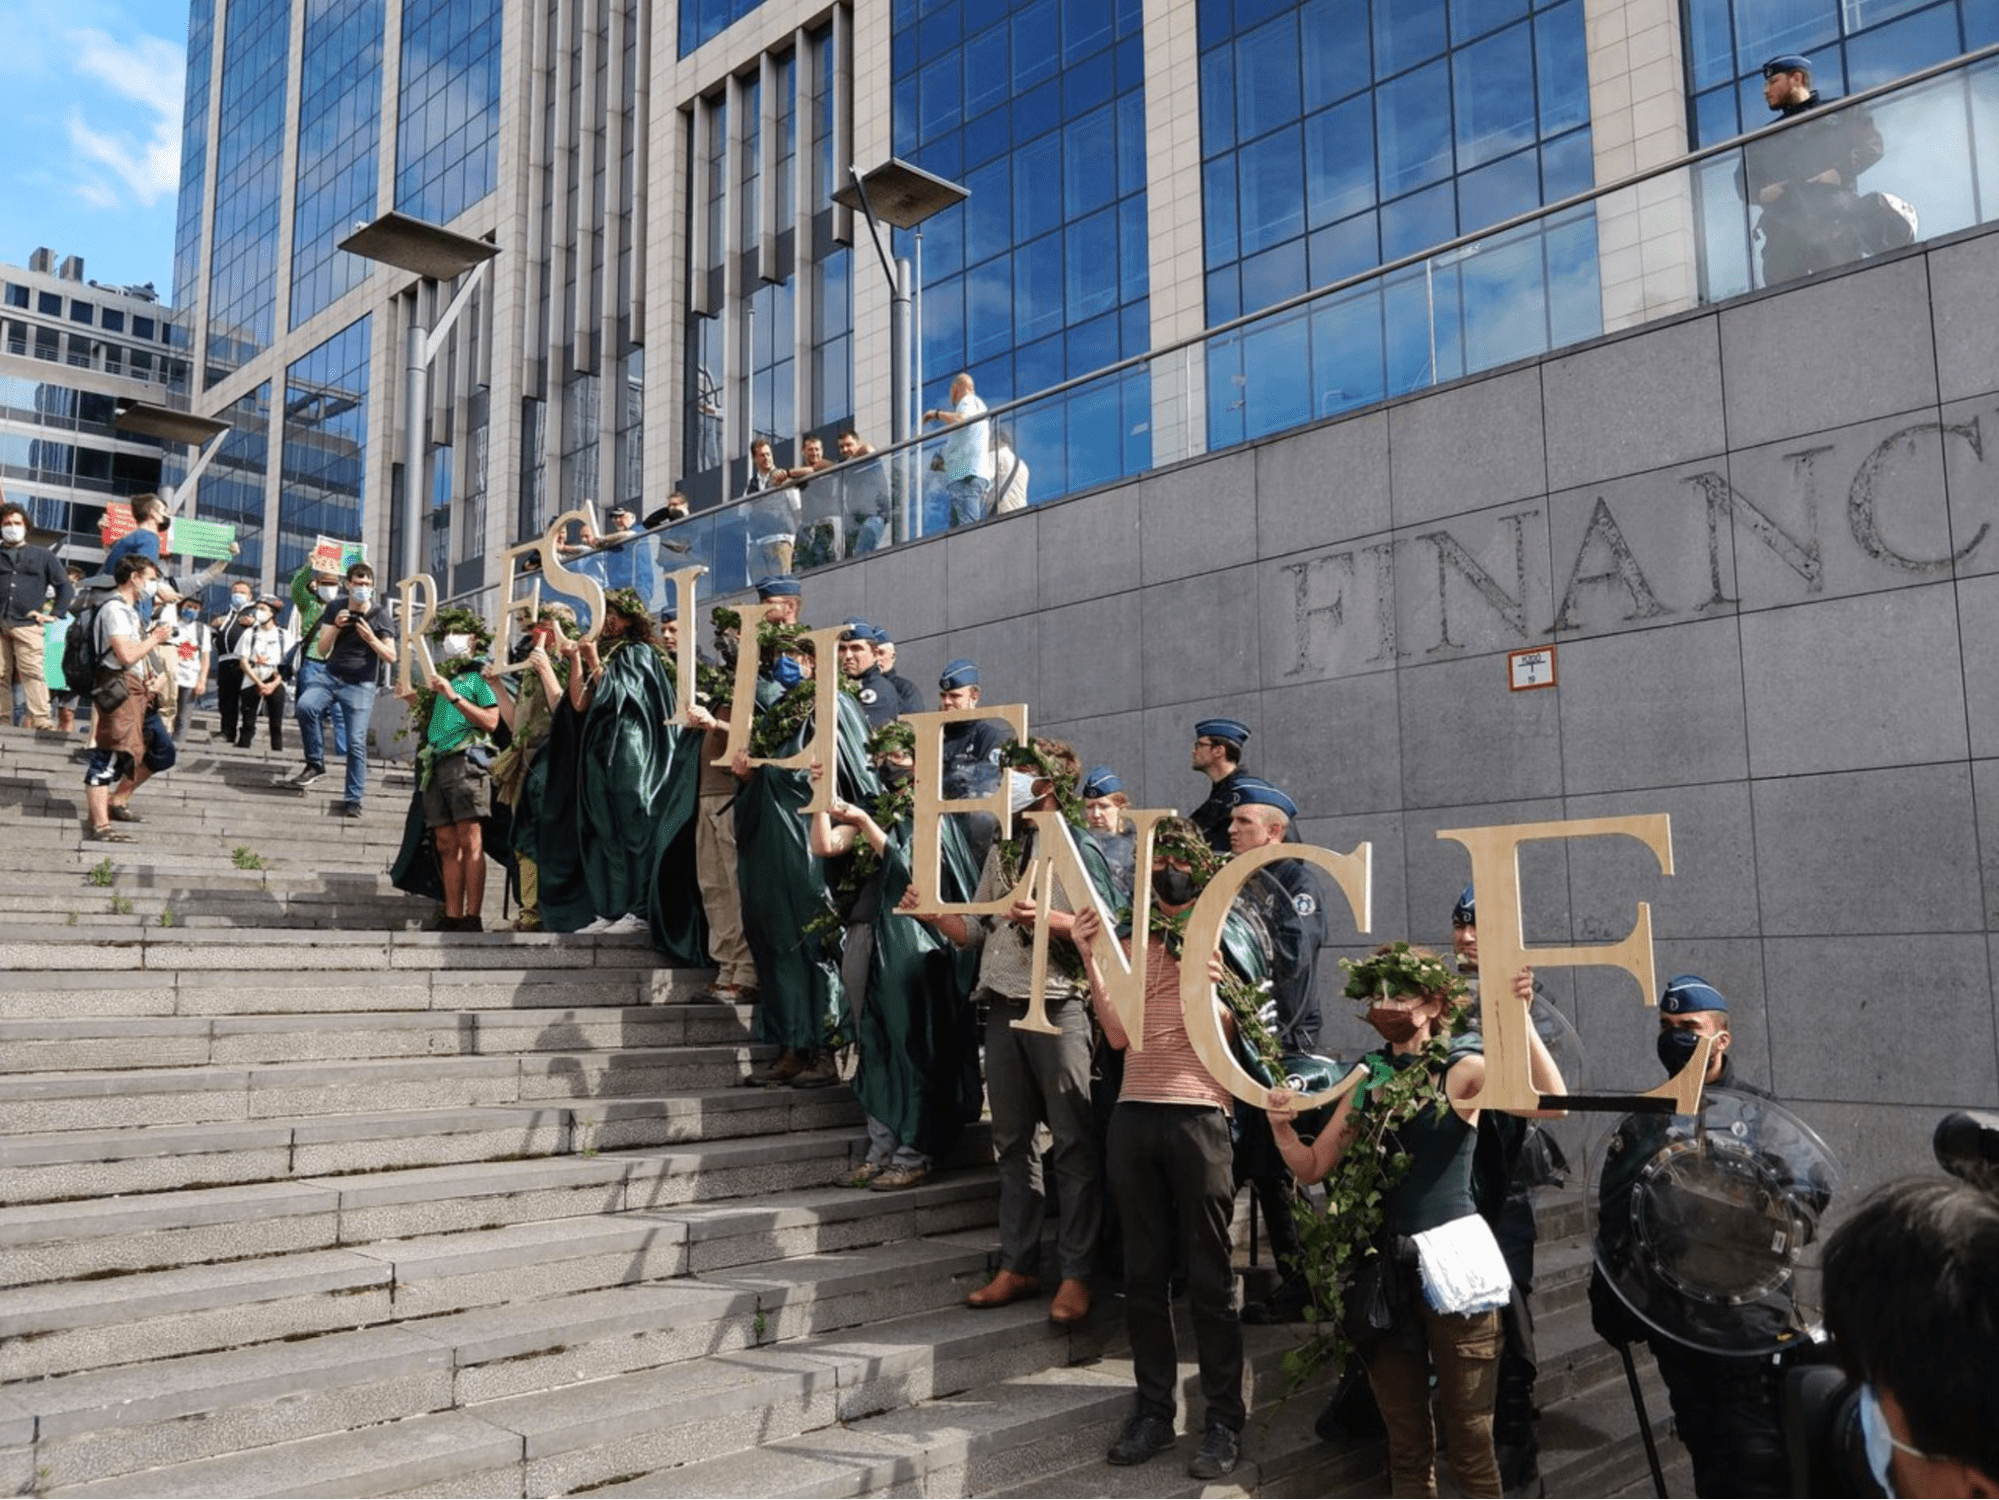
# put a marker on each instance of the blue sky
(91, 156)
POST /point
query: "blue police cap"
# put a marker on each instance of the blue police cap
(858, 630)
(1465, 913)
(884, 636)
(1232, 730)
(853, 620)
(1100, 781)
(1254, 791)
(1687, 993)
(958, 674)
(669, 616)
(778, 588)
(1788, 62)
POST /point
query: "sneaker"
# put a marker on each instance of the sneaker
(820, 1073)
(464, 924)
(1142, 1437)
(867, 1173)
(602, 924)
(629, 922)
(348, 809)
(1216, 1458)
(896, 1177)
(781, 1070)
(528, 921)
(308, 776)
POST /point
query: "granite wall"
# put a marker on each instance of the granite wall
(1762, 539)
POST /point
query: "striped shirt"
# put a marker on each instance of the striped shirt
(1166, 1070)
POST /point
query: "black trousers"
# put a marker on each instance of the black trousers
(251, 706)
(1173, 1163)
(229, 694)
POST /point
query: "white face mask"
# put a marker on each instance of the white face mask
(149, 588)
(457, 645)
(1020, 790)
(239, 601)
(263, 614)
(327, 593)
(13, 532)
(361, 594)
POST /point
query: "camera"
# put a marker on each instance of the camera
(1821, 1403)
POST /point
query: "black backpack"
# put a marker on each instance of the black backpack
(79, 648)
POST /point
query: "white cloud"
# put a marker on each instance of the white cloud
(127, 141)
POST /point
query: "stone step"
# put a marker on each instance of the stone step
(496, 1227)
(43, 1103)
(42, 993)
(30, 947)
(94, 1043)
(710, 1382)
(53, 1232)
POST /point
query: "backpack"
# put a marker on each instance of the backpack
(79, 648)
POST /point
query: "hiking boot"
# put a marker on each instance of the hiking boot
(1142, 1437)
(820, 1073)
(864, 1176)
(890, 1179)
(781, 1070)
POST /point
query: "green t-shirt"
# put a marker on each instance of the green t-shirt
(449, 729)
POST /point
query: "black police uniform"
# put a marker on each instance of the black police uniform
(1727, 1409)
(972, 756)
(878, 699)
(908, 700)
(1814, 225)
(1212, 816)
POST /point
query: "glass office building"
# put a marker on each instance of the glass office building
(675, 280)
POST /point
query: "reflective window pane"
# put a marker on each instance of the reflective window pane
(1494, 115)
(1412, 134)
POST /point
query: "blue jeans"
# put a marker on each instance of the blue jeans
(357, 700)
(310, 672)
(968, 499)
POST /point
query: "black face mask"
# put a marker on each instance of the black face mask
(893, 776)
(1676, 1049)
(1174, 887)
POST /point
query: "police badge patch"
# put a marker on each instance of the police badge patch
(1305, 904)
(867, 696)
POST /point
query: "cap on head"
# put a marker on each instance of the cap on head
(669, 616)
(1232, 730)
(778, 588)
(1099, 781)
(1787, 62)
(858, 630)
(884, 636)
(1254, 791)
(1465, 913)
(620, 509)
(959, 674)
(1687, 993)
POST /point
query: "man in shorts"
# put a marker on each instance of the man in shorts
(456, 791)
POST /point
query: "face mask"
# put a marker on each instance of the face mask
(328, 593)
(13, 532)
(457, 645)
(787, 672)
(361, 593)
(1020, 791)
(239, 601)
(1394, 1027)
(1174, 887)
(1676, 1049)
(263, 616)
(149, 588)
(894, 775)
(1879, 1442)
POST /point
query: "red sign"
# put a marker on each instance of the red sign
(117, 522)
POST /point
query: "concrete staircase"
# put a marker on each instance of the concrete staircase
(296, 1199)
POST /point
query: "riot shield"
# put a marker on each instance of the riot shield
(1707, 1226)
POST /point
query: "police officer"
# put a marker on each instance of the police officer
(857, 663)
(1104, 802)
(972, 746)
(782, 599)
(1726, 1408)
(1500, 1191)
(908, 699)
(1218, 756)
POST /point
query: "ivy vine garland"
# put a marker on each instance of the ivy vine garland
(1339, 1238)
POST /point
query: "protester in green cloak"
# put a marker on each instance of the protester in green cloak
(910, 1020)
(783, 884)
(520, 772)
(675, 915)
(612, 804)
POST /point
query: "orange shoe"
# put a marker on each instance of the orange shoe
(1072, 1303)
(1005, 1287)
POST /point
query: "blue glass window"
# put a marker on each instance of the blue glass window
(1406, 32)
(1272, 210)
(322, 468)
(447, 140)
(1494, 114)
(1333, 48)
(339, 132)
(1413, 129)
(1266, 94)
(1339, 161)
(1562, 67)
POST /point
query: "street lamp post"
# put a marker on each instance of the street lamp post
(203, 435)
(902, 196)
(436, 255)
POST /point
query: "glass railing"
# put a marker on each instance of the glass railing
(1902, 164)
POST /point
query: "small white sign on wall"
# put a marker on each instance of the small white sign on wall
(1533, 667)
